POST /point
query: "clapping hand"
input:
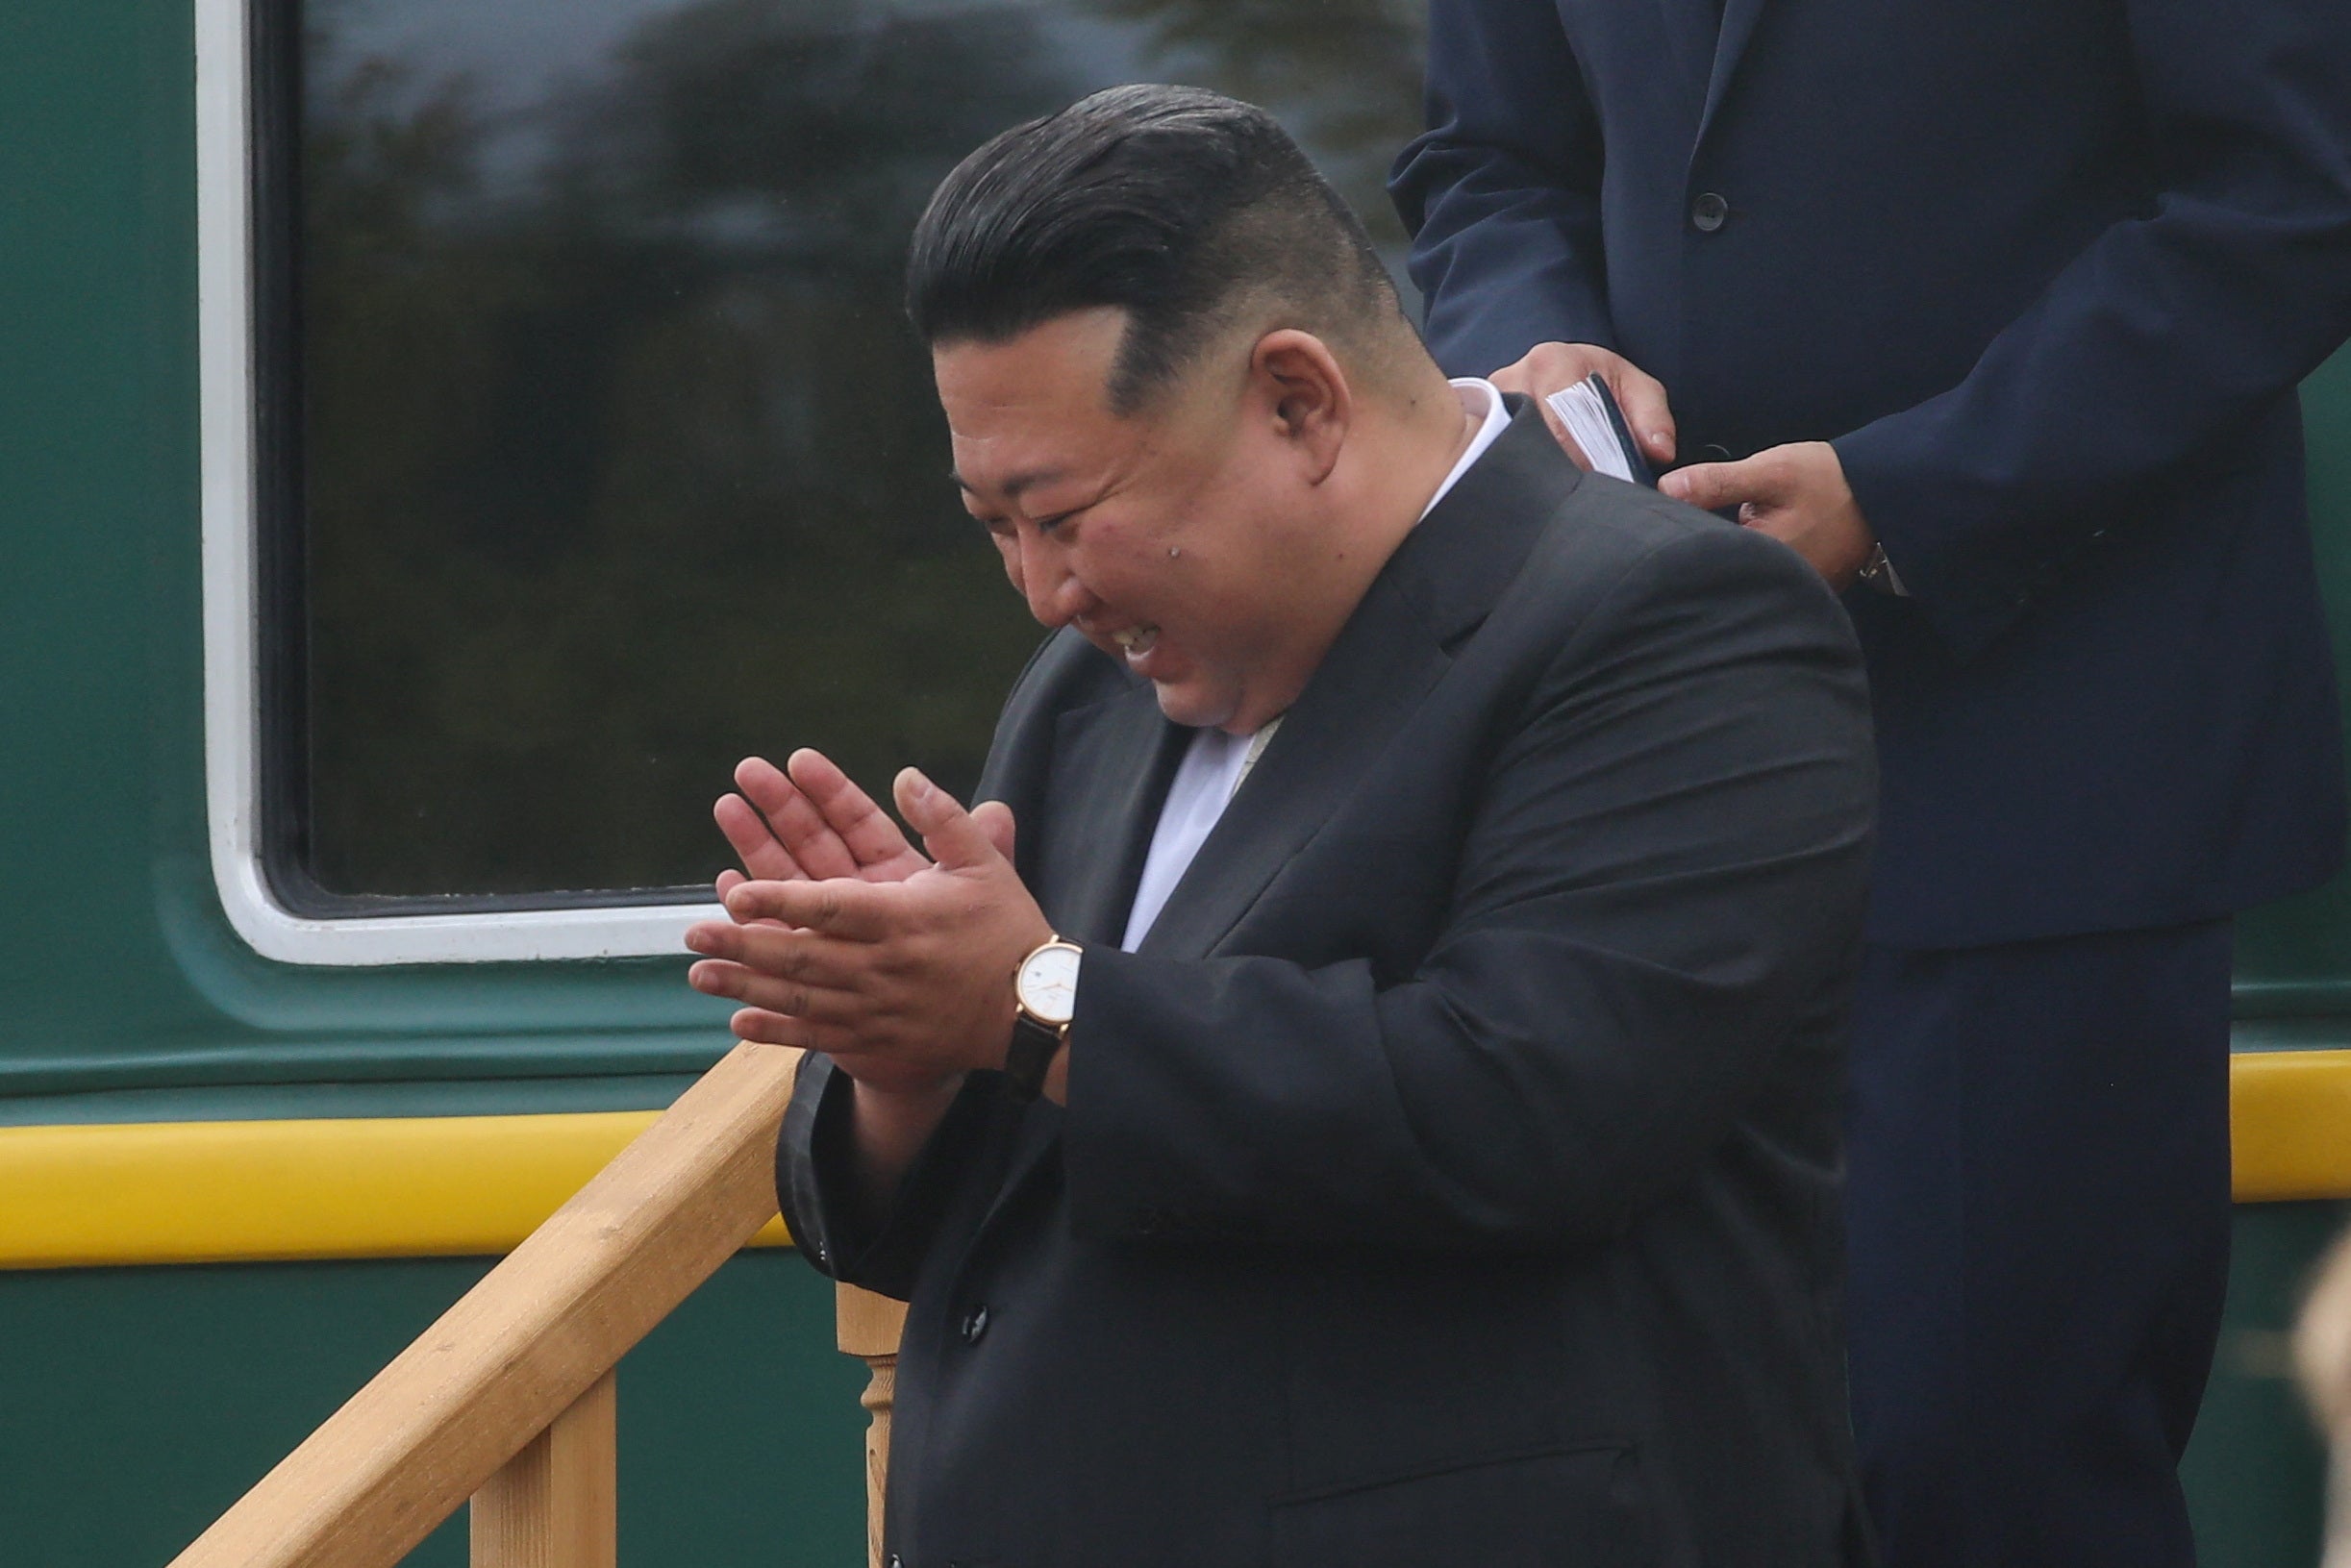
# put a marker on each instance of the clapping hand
(848, 940)
(807, 821)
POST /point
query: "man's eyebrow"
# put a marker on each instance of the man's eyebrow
(1013, 485)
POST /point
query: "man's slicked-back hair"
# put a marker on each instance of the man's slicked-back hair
(1180, 207)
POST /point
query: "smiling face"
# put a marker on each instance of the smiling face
(1190, 539)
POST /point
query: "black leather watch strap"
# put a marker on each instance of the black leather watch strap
(1030, 1057)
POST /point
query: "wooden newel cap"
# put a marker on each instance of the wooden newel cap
(866, 1324)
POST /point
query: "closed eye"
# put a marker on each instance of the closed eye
(1048, 522)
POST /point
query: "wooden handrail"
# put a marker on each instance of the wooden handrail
(535, 1339)
(509, 1399)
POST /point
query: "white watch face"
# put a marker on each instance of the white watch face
(1048, 984)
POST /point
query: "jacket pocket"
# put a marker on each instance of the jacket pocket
(1567, 1506)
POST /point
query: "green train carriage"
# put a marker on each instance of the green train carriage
(441, 439)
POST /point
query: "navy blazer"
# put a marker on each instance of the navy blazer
(1451, 1173)
(2047, 272)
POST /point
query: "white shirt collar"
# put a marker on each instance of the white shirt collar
(1479, 396)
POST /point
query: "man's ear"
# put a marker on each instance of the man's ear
(1302, 385)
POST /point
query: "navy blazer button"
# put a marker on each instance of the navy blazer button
(1708, 213)
(975, 1323)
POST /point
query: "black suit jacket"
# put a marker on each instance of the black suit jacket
(2047, 272)
(1451, 1177)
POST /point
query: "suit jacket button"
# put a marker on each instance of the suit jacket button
(975, 1323)
(1708, 213)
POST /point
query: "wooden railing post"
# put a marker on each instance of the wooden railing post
(2322, 1354)
(556, 1505)
(869, 1327)
(525, 1350)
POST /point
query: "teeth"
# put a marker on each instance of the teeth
(1136, 640)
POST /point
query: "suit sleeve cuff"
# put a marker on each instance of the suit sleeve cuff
(1914, 518)
(816, 1180)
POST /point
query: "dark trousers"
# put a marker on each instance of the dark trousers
(2039, 1227)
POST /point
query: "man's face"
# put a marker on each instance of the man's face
(1165, 538)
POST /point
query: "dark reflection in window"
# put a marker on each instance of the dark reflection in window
(617, 459)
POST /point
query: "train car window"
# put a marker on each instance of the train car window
(592, 451)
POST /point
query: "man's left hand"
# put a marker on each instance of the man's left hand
(900, 981)
(1797, 494)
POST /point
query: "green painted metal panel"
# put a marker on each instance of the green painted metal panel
(96, 338)
(136, 1404)
(2255, 1473)
(117, 969)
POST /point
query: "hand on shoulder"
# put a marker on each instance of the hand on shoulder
(1552, 368)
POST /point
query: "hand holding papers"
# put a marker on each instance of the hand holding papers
(1590, 412)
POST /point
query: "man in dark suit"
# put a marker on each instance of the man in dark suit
(2001, 303)
(1380, 1106)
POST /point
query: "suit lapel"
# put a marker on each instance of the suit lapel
(1440, 583)
(1381, 666)
(1112, 760)
(1112, 763)
(1694, 29)
(1738, 18)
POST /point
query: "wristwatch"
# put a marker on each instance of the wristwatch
(1045, 995)
(1879, 573)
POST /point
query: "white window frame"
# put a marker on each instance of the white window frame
(232, 685)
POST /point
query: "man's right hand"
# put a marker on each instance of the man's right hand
(807, 821)
(1551, 367)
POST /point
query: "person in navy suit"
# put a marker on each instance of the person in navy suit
(2000, 305)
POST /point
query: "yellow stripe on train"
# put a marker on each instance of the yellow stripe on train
(197, 1192)
(201, 1192)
